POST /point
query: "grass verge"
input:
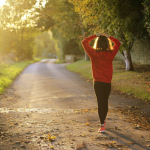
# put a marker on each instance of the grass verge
(132, 83)
(9, 72)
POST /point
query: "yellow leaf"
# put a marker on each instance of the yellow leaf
(77, 112)
(87, 124)
(53, 137)
(85, 110)
(49, 137)
(147, 140)
(52, 147)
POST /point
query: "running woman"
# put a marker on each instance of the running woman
(102, 55)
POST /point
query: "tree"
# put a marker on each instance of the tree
(17, 28)
(119, 18)
(45, 43)
(146, 12)
(63, 21)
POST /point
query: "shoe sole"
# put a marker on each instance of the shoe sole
(101, 131)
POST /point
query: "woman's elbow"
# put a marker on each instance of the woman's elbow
(83, 41)
(119, 43)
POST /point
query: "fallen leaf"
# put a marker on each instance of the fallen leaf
(87, 124)
(52, 147)
(51, 138)
(77, 112)
(141, 136)
(147, 140)
(85, 110)
(130, 143)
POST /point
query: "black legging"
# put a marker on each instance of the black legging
(102, 91)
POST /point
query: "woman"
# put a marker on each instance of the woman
(102, 56)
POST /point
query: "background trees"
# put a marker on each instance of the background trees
(70, 21)
(45, 45)
(146, 12)
(119, 18)
(17, 29)
(65, 24)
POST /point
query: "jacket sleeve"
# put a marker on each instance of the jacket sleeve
(116, 45)
(89, 50)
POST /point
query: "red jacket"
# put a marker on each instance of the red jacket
(102, 68)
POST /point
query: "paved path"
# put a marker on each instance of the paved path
(49, 107)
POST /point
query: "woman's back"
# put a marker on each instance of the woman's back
(101, 60)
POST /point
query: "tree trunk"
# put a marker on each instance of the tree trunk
(83, 33)
(128, 61)
(22, 39)
(86, 56)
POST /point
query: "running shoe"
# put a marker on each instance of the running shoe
(102, 129)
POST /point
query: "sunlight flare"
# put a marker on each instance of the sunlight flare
(2, 2)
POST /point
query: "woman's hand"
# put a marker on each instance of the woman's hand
(108, 36)
(98, 34)
(103, 34)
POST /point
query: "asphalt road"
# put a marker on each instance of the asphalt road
(47, 100)
(50, 85)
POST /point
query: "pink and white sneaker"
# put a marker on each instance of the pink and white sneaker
(102, 129)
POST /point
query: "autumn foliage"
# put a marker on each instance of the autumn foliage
(146, 12)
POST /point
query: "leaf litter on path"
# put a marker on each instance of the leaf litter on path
(139, 119)
(81, 146)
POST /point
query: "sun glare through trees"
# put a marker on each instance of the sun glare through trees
(2, 2)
